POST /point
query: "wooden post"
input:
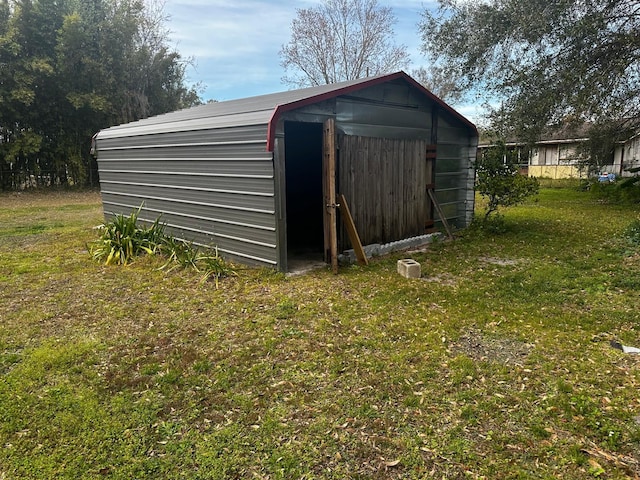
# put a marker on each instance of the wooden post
(329, 190)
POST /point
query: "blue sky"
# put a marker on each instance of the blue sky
(235, 43)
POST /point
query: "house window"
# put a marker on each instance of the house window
(567, 154)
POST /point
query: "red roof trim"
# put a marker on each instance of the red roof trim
(280, 109)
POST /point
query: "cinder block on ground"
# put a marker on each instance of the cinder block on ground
(409, 268)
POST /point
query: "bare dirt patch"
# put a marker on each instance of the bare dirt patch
(480, 347)
(502, 262)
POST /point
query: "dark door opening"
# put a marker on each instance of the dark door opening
(303, 171)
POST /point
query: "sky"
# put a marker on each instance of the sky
(235, 43)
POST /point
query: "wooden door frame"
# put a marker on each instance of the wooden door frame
(330, 221)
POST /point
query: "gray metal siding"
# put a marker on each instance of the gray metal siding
(207, 172)
(455, 176)
(397, 111)
(212, 187)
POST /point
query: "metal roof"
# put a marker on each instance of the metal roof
(260, 110)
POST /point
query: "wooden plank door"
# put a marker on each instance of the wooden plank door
(384, 181)
(329, 192)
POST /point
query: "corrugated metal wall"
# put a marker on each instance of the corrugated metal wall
(397, 111)
(208, 174)
(215, 187)
(455, 153)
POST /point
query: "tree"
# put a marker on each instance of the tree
(498, 179)
(341, 40)
(72, 67)
(544, 60)
(437, 80)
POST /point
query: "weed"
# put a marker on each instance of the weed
(180, 253)
(632, 233)
(123, 239)
(212, 265)
(286, 309)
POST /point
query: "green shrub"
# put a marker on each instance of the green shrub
(625, 190)
(185, 254)
(179, 253)
(499, 181)
(123, 239)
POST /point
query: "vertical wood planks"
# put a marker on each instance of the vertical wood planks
(384, 182)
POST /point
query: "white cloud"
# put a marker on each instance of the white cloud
(475, 113)
(235, 43)
(218, 30)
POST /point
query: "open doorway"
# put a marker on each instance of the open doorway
(303, 170)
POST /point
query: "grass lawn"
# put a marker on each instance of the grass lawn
(496, 364)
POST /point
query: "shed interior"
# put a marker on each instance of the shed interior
(303, 171)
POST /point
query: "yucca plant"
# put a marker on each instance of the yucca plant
(206, 261)
(179, 253)
(122, 239)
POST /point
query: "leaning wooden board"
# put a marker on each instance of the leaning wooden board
(351, 231)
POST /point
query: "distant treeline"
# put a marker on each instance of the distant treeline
(69, 68)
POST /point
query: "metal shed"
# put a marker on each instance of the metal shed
(256, 176)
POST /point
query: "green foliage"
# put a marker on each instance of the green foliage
(632, 182)
(212, 265)
(124, 239)
(598, 150)
(545, 61)
(632, 233)
(496, 364)
(625, 190)
(207, 261)
(70, 68)
(180, 253)
(498, 179)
